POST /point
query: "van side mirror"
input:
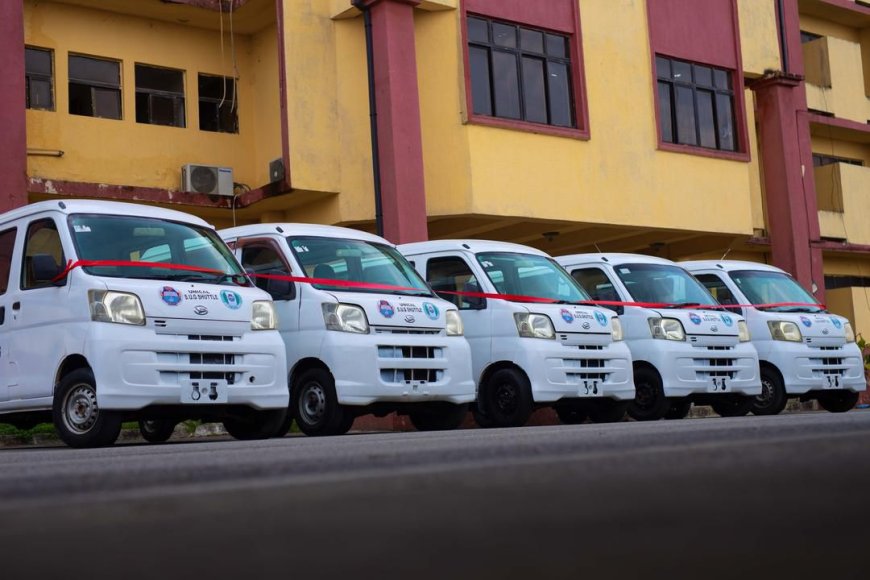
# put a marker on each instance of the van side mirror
(280, 289)
(44, 268)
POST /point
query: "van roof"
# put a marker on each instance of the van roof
(295, 229)
(466, 245)
(612, 259)
(728, 265)
(92, 206)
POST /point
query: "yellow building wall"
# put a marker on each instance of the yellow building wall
(123, 151)
(618, 176)
(758, 34)
(854, 304)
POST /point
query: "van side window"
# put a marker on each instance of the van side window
(42, 240)
(718, 289)
(263, 259)
(596, 283)
(453, 275)
(7, 244)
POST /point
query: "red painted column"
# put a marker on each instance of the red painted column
(400, 139)
(13, 135)
(787, 158)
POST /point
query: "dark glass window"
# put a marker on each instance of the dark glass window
(719, 290)
(7, 244)
(263, 258)
(520, 73)
(94, 87)
(218, 104)
(38, 78)
(819, 160)
(696, 104)
(159, 96)
(452, 274)
(43, 240)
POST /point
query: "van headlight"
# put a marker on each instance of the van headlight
(616, 328)
(534, 325)
(263, 315)
(118, 307)
(743, 331)
(345, 318)
(784, 330)
(454, 323)
(850, 334)
(667, 329)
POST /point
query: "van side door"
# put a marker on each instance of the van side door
(451, 273)
(8, 369)
(720, 290)
(40, 313)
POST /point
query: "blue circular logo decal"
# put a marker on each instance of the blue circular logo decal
(837, 323)
(727, 320)
(170, 295)
(567, 316)
(231, 299)
(599, 316)
(806, 321)
(431, 310)
(694, 318)
(386, 309)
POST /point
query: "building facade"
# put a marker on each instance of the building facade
(677, 128)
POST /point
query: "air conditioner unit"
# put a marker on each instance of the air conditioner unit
(208, 179)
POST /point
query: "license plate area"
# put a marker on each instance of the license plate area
(832, 382)
(588, 388)
(204, 392)
(718, 385)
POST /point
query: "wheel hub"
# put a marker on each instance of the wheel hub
(313, 403)
(506, 398)
(766, 393)
(81, 410)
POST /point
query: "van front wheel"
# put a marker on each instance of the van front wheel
(838, 401)
(650, 403)
(252, 424)
(315, 404)
(78, 419)
(507, 398)
(156, 430)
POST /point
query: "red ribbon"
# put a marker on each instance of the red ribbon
(373, 286)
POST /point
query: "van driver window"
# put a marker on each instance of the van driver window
(42, 239)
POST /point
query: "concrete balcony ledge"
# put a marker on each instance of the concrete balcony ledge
(843, 203)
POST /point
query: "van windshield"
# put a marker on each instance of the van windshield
(663, 283)
(139, 239)
(356, 261)
(530, 275)
(761, 287)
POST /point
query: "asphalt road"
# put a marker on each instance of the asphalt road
(772, 497)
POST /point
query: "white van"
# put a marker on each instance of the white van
(376, 340)
(112, 312)
(804, 351)
(553, 352)
(683, 353)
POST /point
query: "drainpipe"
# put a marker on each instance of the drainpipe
(373, 114)
(783, 41)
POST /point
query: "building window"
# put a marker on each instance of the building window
(159, 96)
(38, 78)
(94, 87)
(218, 104)
(696, 104)
(809, 36)
(520, 73)
(819, 160)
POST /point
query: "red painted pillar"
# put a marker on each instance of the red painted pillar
(787, 158)
(400, 140)
(13, 135)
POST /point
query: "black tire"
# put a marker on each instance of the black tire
(650, 403)
(732, 405)
(506, 398)
(253, 424)
(346, 422)
(482, 420)
(286, 425)
(77, 418)
(773, 397)
(156, 430)
(438, 416)
(838, 401)
(571, 414)
(315, 405)
(678, 409)
(607, 410)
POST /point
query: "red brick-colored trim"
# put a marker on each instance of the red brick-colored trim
(13, 135)
(540, 16)
(840, 123)
(133, 193)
